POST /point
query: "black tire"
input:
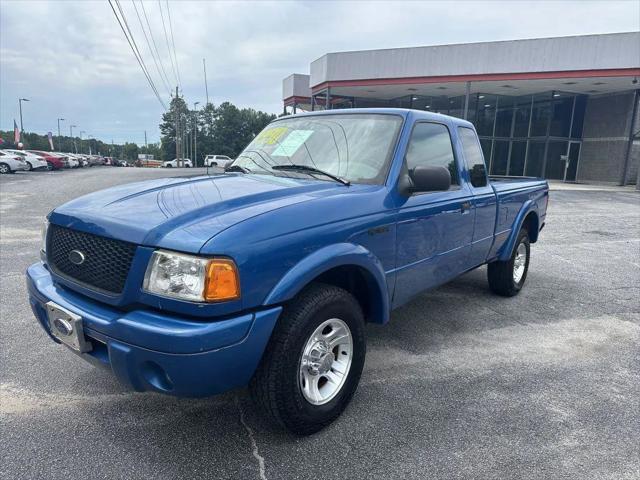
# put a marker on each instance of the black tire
(4, 168)
(49, 166)
(276, 388)
(501, 274)
(29, 166)
(169, 166)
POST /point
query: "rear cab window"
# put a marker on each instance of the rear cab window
(473, 157)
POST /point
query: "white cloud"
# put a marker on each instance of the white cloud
(72, 60)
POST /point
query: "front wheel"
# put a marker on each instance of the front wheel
(314, 359)
(29, 166)
(507, 278)
(4, 168)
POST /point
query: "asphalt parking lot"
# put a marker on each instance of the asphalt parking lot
(460, 384)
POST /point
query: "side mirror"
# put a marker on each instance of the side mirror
(430, 179)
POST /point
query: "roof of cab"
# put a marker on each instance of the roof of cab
(403, 112)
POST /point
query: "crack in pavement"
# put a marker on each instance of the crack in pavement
(254, 444)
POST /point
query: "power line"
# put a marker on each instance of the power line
(173, 43)
(135, 51)
(166, 85)
(155, 46)
(166, 37)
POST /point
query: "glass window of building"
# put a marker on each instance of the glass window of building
(517, 158)
(522, 115)
(535, 159)
(500, 157)
(504, 117)
(562, 107)
(578, 116)
(486, 114)
(540, 114)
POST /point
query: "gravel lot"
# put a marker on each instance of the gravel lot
(460, 384)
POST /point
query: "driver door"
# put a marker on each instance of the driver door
(434, 229)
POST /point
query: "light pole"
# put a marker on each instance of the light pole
(20, 100)
(195, 133)
(81, 132)
(60, 136)
(71, 135)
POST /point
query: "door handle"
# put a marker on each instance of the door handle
(465, 207)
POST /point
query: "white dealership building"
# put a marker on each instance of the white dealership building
(564, 108)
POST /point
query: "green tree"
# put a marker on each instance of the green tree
(177, 109)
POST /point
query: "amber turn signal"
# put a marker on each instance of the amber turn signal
(222, 282)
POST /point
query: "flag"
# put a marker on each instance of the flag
(50, 137)
(16, 133)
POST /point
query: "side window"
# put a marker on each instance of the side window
(430, 146)
(473, 156)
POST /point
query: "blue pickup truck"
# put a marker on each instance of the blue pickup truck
(265, 274)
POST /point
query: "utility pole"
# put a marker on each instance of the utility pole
(195, 133)
(206, 87)
(177, 125)
(81, 132)
(75, 147)
(145, 139)
(60, 136)
(20, 100)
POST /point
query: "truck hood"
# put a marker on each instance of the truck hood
(184, 213)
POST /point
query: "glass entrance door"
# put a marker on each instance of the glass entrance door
(556, 164)
(573, 155)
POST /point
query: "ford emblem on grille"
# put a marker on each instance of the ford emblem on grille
(76, 257)
(63, 326)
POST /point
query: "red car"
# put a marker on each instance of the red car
(55, 162)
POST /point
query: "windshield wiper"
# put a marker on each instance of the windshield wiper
(307, 169)
(236, 168)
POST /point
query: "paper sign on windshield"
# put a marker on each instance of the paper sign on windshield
(290, 145)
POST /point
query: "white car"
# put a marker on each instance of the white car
(174, 163)
(33, 161)
(11, 163)
(72, 160)
(217, 160)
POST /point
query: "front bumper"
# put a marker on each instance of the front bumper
(150, 350)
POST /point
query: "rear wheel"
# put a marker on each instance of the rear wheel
(49, 166)
(507, 278)
(4, 168)
(314, 360)
(29, 166)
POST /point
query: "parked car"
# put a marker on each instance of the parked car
(217, 161)
(175, 163)
(72, 161)
(249, 277)
(33, 161)
(54, 161)
(11, 163)
(95, 160)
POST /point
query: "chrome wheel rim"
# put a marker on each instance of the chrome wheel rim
(519, 263)
(325, 361)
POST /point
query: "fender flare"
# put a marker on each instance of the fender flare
(332, 256)
(507, 249)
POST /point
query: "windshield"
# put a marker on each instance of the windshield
(355, 147)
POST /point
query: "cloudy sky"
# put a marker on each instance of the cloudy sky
(72, 60)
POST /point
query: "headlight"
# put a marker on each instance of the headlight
(43, 234)
(188, 277)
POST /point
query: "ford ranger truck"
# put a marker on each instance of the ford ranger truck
(266, 274)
